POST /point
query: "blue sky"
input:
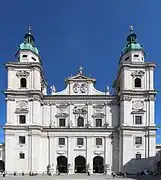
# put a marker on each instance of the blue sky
(73, 33)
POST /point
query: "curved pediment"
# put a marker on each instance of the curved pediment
(64, 115)
(79, 84)
(98, 115)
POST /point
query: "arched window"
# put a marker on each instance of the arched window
(23, 83)
(137, 82)
(80, 122)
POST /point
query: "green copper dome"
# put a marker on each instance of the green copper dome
(28, 43)
(132, 43)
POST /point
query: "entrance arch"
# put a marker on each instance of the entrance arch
(62, 164)
(80, 164)
(98, 166)
(2, 168)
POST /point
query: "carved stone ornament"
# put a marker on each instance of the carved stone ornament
(98, 115)
(126, 98)
(34, 98)
(137, 73)
(61, 115)
(21, 110)
(114, 102)
(80, 110)
(83, 87)
(62, 107)
(137, 105)
(98, 107)
(22, 74)
(10, 99)
(22, 104)
(76, 87)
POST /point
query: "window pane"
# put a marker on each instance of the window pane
(98, 141)
(22, 155)
(98, 122)
(62, 122)
(80, 122)
(138, 119)
(138, 140)
(23, 82)
(21, 139)
(79, 141)
(22, 119)
(61, 141)
(138, 156)
(137, 82)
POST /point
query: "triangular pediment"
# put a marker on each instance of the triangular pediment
(80, 77)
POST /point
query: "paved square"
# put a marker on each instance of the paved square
(75, 177)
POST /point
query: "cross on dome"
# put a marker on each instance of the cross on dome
(29, 30)
(131, 29)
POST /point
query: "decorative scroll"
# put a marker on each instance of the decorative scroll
(98, 115)
(22, 74)
(80, 110)
(138, 73)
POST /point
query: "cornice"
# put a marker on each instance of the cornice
(138, 92)
(80, 97)
(134, 128)
(27, 92)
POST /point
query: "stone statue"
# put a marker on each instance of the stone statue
(53, 89)
(107, 89)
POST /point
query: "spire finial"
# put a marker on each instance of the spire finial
(131, 29)
(80, 70)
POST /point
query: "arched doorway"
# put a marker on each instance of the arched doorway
(98, 166)
(80, 164)
(1, 166)
(62, 164)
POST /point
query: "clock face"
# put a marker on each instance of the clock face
(76, 87)
(83, 87)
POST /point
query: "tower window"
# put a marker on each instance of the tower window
(127, 58)
(80, 141)
(80, 122)
(23, 83)
(137, 82)
(138, 119)
(22, 119)
(138, 140)
(21, 139)
(22, 155)
(33, 58)
(24, 56)
(136, 55)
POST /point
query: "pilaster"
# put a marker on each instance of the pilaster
(70, 163)
(89, 154)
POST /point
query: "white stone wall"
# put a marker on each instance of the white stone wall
(117, 112)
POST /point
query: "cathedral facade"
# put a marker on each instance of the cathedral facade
(79, 129)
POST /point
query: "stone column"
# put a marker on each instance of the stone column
(70, 161)
(89, 154)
